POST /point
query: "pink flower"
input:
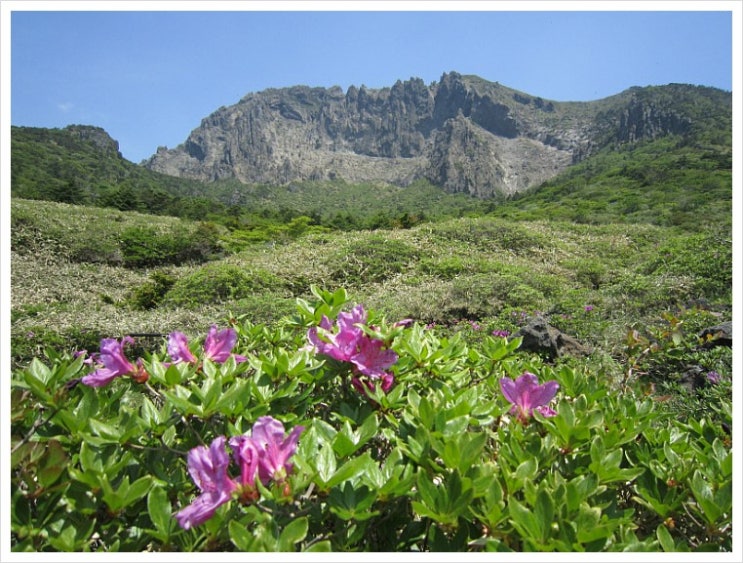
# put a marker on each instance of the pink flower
(115, 364)
(274, 450)
(264, 454)
(526, 395)
(178, 349)
(246, 457)
(218, 346)
(343, 344)
(371, 358)
(208, 469)
(368, 355)
(501, 333)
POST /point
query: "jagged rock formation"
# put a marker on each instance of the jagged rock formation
(463, 133)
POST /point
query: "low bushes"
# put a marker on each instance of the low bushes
(173, 452)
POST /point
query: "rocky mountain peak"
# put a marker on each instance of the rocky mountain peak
(463, 133)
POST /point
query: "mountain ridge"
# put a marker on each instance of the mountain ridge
(463, 133)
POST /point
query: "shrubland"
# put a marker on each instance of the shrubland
(324, 367)
(629, 455)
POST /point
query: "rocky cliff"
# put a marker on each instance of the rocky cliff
(462, 132)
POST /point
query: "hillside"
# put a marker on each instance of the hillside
(82, 164)
(485, 269)
(626, 447)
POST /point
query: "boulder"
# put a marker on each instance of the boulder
(718, 335)
(541, 337)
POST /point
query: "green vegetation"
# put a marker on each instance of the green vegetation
(439, 462)
(666, 182)
(630, 252)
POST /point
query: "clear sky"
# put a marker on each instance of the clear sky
(148, 78)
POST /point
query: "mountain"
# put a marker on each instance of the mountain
(463, 133)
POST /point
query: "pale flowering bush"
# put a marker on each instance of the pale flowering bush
(338, 430)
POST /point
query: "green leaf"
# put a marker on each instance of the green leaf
(89, 458)
(108, 432)
(544, 511)
(705, 498)
(523, 519)
(293, 533)
(53, 464)
(241, 536)
(322, 546)
(356, 466)
(664, 538)
(137, 490)
(352, 503)
(159, 510)
(586, 524)
(325, 464)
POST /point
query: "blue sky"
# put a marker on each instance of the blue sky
(149, 78)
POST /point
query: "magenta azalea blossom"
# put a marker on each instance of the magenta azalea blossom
(219, 344)
(342, 345)
(208, 469)
(218, 347)
(178, 348)
(264, 454)
(274, 449)
(246, 456)
(526, 395)
(372, 359)
(369, 356)
(115, 364)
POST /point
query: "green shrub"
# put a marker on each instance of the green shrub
(95, 251)
(41, 341)
(374, 259)
(218, 283)
(440, 461)
(151, 293)
(588, 272)
(143, 247)
(706, 257)
(489, 233)
(446, 267)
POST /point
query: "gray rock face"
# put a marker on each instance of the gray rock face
(463, 133)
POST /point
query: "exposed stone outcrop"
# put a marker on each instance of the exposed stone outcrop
(463, 133)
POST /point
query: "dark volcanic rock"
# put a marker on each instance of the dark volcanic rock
(718, 335)
(541, 337)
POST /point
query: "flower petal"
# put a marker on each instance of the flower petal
(178, 348)
(543, 394)
(219, 344)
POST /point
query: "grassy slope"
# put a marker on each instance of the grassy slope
(487, 269)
